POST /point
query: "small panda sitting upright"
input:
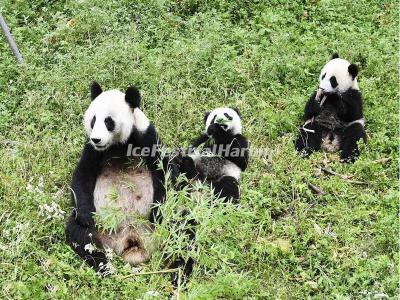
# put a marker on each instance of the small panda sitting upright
(334, 113)
(220, 154)
(107, 179)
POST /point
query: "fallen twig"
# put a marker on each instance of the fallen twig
(344, 177)
(151, 273)
(315, 189)
(382, 160)
(331, 172)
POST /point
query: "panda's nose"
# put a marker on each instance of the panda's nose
(96, 141)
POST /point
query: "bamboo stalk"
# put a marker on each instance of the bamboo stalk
(315, 189)
(344, 177)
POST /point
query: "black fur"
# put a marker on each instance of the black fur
(206, 116)
(95, 90)
(110, 124)
(93, 121)
(333, 81)
(335, 55)
(348, 107)
(132, 97)
(353, 70)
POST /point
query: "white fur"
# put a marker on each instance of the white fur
(234, 125)
(359, 121)
(337, 67)
(231, 169)
(330, 145)
(112, 104)
(141, 121)
(195, 156)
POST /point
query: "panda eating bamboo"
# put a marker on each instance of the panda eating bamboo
(334, 113)
(106, 179)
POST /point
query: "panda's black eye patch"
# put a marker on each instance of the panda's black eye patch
(213, 119)
(323, 76)
(93, 121)
(333, 81)
(110, 124)
(228, 116)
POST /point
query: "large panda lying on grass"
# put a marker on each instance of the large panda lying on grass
(334, 113)
(107, 180)
(220, 154)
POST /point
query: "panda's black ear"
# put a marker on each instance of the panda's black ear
(335, 55)
(206, 116)
(132, 97)
(353, 70)
(95, 90)
(237, 111)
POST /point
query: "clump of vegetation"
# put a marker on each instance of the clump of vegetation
(283, 240)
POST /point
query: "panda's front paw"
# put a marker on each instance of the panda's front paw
(188, 168)
(85, 219)
(214, 129)
(174, 168)
(186, 269)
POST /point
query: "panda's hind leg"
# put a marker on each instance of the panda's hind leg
(309, 140)
(351, 136)
(78, 237)
(226, 187)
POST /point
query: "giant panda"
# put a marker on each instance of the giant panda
(106, 177)
(217, 158)
(219, 155)
(333, 115)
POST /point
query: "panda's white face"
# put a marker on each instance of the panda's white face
(109, 120)
(335, 77)
(228, 118)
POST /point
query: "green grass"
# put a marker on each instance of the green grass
(188, 57)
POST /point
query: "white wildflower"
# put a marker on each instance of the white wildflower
(38, 189)
(152, 294)
(19, 227)
(106, 269)
(136, 269)
(52, 288)
(3, 247)
(29, 186)
(109, 253)
(52, 211)
(378, 295)
(58, 194)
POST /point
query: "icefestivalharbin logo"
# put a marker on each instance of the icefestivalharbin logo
(215, 150)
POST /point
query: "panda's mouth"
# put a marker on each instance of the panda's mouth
(100, 147)
(320, 93)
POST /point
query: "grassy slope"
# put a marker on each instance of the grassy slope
(187, 58)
